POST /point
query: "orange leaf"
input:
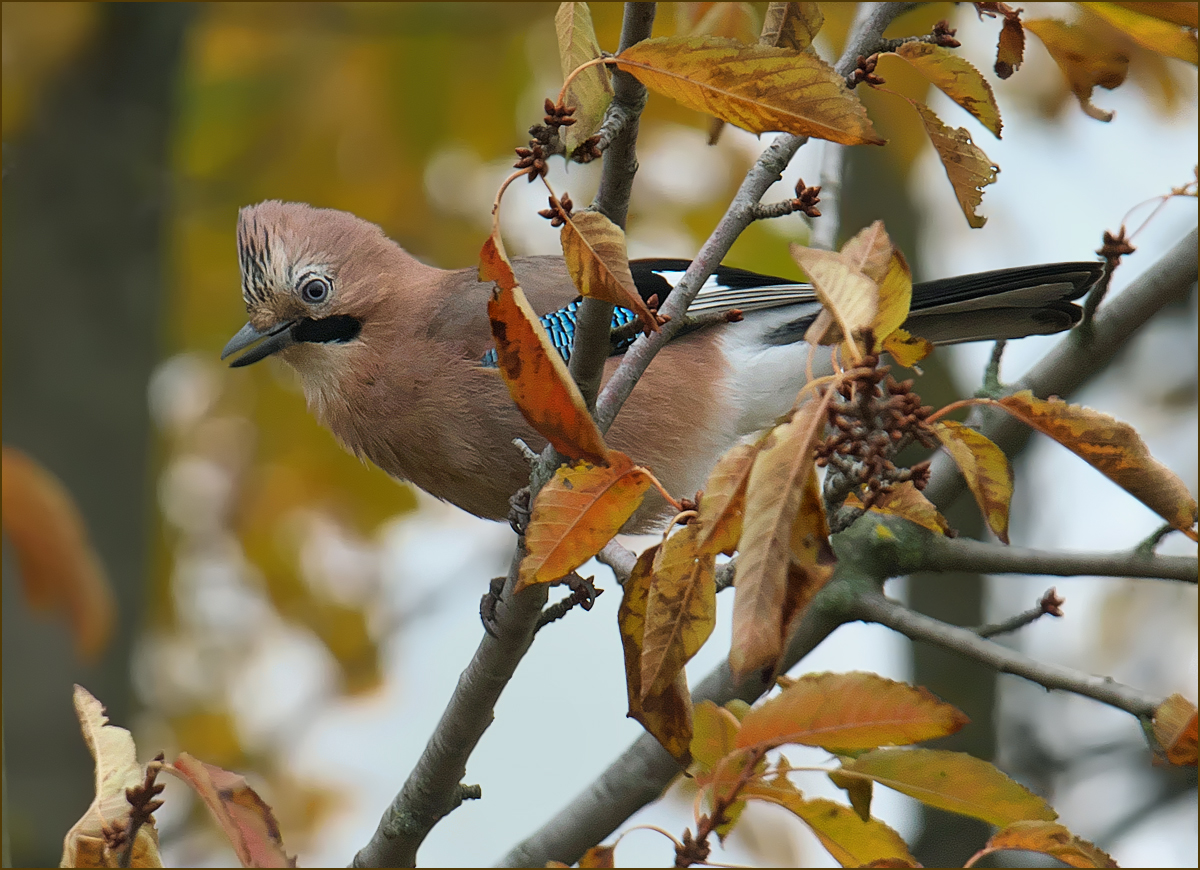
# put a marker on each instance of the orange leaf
(598, 856)
(956, 78)
(952, 781)
(986, 469)
(904, 500)
(494, 264)
(758, 88)
(907, 349)
(1049, 839)
(723, 505)
(847, 712)
(967, 167)
(538, 380)
(667, 716)
(728, 778)
(591, 91)
(1085, 61)
(1149, 31)
(1175, 729)
(774, 497)
(59, 569)
(850, 840)
(577, 513)
(1114, 449)
(680, 612)
(594, 248)
(117, 769)
(247, 821)
(791, 25)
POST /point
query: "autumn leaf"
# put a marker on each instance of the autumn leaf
(791, 25)
(577, 513)
(774, 496)
(1175, 729)
(1010, 50)
(758, 88)
(1113, 448)
(723, 504)
(986, 469)
(905, 348)
(1049, 839)
(494, 264)
(869, 251)
(1183, 14)
(904, 500)
(849, 297)
(956, 78)
(967, 167)
(850, 840)
(59, 568)
(598, 856)
(1086, 62)
(594, 248)
(895, 300)
(538, 380)
(1149, 31)
(714, 735)
(117, 769)
(680, 612)
(591, 91)
(736, 21)
(247, 822)
(952, 781)
(847, 712)
(667, 717)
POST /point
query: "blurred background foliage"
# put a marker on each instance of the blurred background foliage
(251, 526)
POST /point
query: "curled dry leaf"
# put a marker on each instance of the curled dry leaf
(577, 513)
(594, 248)
(904, 500)
(1051, 839)
(967, 167)
(1086, 62)
(986, 469)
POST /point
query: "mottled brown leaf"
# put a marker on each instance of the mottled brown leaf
(967, 167)
(952, 74)
(791, 25)
(985, 468)
(594, 248)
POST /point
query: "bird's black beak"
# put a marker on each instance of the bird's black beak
(274, 341)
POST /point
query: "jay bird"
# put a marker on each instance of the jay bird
(396, 357)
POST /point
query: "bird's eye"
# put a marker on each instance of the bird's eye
(315, 290)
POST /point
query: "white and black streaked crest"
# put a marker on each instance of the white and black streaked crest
(271, 262)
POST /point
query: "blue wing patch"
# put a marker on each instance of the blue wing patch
(560, 326)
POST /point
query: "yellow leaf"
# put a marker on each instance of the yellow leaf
(736, 21)
(666, 716)
(598, 856)
(538, 379)
(869, 251)
(1085, 61)
(791, 25)
(907, 349)
(1113, 448)
(60, 570)
(723, 504)
(577, 513)
(714, 735)
(846, 712)
(117, 769)
(1049, 839)
(967, 167)
(1149, 31)
(952, 781)
(594, 248)
(986, 469)
(1175, 729)
(904, 500)
(895, 300)
(755, 87)
(680, 612)
(850, 297)
(956, 78)
(1183, 14)
(774, 496)
(591, 91)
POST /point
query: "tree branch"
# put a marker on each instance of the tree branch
(964, 554)
(876, 607)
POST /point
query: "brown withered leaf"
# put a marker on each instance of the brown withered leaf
(59, 568)
(1150, 31)
(904, 500)
(850, 298)
(247, 822)
(1010, 50)
(577, 513)
(1086, 62)
(850, 840)
(967, 167)
(957, 78)
(791, 25)
(117, 769)
(755, 87)
(594, 248)
(773, 498)
(1113, 448)
(538, 379)
(985, 468)
(952, 781)
(591, 91)
(1051, 839)
(1175, 729)
(907, 349)
(680, 612)
(667, 716)
(723, 505)
(848, 712)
